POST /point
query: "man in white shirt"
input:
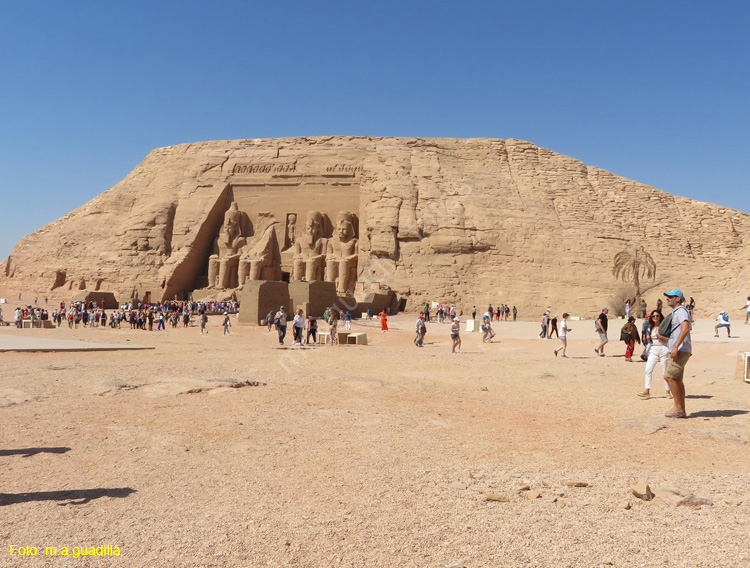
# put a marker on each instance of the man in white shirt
(747, 311)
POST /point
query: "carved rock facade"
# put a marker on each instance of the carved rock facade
(458, 221)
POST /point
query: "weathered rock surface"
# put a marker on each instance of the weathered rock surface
(459, 221)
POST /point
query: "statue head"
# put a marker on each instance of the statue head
(344, 225)
(232, 217)
(314, 225)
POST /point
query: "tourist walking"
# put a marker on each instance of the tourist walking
(347, 320)
(656, 352)
(456, 335)
(553, 328)
(420, 327)
(629, 334)
(680, 349)
(487, 332)
(269, 320)
(515, 313)
(564, 329)
(383, 321)
(203, 322)
(298, 324)
(601, 324)
(312, 329)
(545, 323)
(280, 321)
(333, 322)
(747, 311)
(226, 323)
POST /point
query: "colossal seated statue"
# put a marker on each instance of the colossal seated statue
(341, 255)
(309, 250)
(260, 256)
(225, 260)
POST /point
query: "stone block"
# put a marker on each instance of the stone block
(314, 297)
(356, 339)
(258, 297)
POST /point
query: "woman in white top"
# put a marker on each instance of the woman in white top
(564, 329)
(298, 325)
(657, 352)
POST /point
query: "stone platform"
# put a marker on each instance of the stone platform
(19, 343)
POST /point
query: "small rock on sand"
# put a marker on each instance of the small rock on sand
(642, 491)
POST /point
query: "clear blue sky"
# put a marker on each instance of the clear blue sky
(654, 91)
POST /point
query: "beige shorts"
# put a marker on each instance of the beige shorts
(676, 367)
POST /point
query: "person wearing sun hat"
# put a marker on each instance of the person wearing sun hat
(680, 349)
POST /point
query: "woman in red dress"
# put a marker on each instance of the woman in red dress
(383, 322)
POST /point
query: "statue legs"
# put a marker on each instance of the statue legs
(213, 270)
(228, 272)
(314, 269)
(346, 276)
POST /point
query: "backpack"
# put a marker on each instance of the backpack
(665, 327)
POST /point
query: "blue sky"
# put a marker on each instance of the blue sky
(653, 91)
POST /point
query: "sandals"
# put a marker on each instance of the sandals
(669, 394)
(644, 395)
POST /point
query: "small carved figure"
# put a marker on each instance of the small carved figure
(341, 255)
(291, 229)
(309, 249)
(224, 262)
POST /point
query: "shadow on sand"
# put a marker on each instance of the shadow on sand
(717, 413)
(28, 452)
(72, 496)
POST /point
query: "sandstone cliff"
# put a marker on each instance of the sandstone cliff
(458, 221)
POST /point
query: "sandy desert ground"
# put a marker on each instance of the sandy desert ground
(369, 456)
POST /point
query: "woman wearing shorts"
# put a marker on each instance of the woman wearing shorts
(455, 329)
(564, 329)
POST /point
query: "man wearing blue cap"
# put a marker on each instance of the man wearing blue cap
(680, 349)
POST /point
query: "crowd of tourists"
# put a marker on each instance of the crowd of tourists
(141, 316)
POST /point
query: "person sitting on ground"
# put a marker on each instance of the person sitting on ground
(722, 320)
(629, 334)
